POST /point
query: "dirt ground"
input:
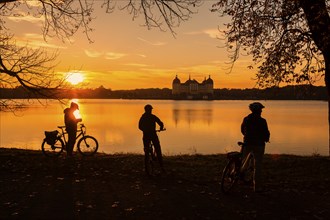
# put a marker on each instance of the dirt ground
(33, 186)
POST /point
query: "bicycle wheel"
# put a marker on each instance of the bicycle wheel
(87, 145)
(148, 162)
(229, 176)
(52, 150)
(249, 170)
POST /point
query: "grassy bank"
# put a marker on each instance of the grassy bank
(115, 187)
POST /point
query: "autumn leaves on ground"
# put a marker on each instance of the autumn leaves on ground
(33, 186)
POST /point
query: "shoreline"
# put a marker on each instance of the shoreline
(313, 154)
(114, 186)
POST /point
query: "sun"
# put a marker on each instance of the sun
(75, 78)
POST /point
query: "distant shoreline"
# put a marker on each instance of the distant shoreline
(301, 92)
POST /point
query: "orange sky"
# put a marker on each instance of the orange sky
(125, 55)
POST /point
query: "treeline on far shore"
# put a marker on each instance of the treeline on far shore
(299, 92)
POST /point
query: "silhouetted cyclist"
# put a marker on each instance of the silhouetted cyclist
(71, 122)
(256, 134)
(147, 124)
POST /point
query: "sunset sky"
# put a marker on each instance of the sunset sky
(126, 55)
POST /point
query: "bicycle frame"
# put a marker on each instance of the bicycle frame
(236, 168)
(81, 131)
(244, 162)
(150, 156)
(152, 152)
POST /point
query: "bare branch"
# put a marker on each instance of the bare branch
(277, 36)
(26, 67)
(160, 13)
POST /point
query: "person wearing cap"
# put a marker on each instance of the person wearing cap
(71, 126)
(147, 124)
(255, 131)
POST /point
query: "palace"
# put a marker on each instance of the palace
(191, 89)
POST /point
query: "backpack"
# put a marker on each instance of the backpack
(51, 137)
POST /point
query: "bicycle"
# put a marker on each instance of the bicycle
(237, 168)
(55, 142)
(150, 156)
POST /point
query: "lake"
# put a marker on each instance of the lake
(202, 127)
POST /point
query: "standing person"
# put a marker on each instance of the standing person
(147, 124)
(256, 134)
(71, 122)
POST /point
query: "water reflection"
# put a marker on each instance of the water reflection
(191, 116)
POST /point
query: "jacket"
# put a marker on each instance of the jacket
(147, 123)
(255, 130)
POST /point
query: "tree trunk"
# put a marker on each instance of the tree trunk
(318, 21)
(327, 83)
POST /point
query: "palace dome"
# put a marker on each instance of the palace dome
(176, 80)
(209, 80)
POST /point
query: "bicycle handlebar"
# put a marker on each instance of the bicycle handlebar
(63, 126)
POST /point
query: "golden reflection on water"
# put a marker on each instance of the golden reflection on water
(192, 116)
(297, 127)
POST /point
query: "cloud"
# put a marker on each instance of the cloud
(33, 36)
(141, 55)
(107, 55)
(216, 62)
(27, 18)
(212, 33)
(152, 43)
(36, 41)
(33, 3)
(137, 64)
(113, 55)
(194, 33)
(93, 54)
